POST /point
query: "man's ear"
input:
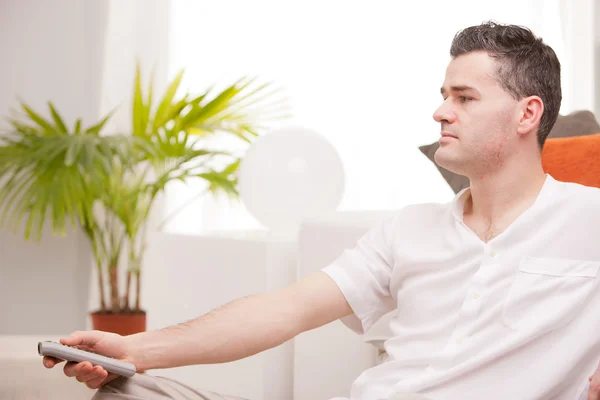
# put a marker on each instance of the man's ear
(532, 108)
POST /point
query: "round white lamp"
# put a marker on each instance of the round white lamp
(288, 175)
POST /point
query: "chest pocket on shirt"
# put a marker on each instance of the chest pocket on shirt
(547, 293)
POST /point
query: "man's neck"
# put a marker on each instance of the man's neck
(497, 199)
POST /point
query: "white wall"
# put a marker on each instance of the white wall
(51, 50)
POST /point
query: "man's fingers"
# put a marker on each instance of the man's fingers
(76, 369)
(50, 362)
(95, 383)
(82, 338)
(94, 373)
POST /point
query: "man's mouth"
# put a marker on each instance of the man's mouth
(450, 135)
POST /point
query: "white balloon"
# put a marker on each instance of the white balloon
(289, 175)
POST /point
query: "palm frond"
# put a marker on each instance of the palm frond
(240, 109)
(54, 175)
(166, 110)
(60, 124)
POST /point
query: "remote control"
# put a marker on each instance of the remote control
(68, 353)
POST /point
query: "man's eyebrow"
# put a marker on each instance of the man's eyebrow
(460, 88)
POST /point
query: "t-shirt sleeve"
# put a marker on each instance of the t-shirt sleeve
(363, 274)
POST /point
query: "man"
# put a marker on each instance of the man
(496, 292)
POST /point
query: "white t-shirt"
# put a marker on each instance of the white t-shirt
(515, 318)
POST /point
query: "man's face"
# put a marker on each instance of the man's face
(478, 117)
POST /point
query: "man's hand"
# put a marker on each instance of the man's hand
(105, 343)
(594, 392)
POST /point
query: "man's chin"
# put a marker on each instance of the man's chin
(449, 163)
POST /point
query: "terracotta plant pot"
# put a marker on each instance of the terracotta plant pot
(121, 323)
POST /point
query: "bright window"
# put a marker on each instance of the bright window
(364, 74)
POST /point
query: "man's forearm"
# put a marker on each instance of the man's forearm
(237, 330)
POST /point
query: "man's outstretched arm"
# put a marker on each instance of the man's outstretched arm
(243, 327)
(237, 330)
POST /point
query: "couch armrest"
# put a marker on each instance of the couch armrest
(22, 375)
(333, 347)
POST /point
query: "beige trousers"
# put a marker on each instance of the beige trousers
(148, 387)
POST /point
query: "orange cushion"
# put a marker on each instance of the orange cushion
(573, 159)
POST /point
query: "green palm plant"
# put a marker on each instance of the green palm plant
(107, 185)
(56, 172)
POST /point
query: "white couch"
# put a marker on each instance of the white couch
(23, 377)
(334, 351)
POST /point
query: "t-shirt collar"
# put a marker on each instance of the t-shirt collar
(458, 203)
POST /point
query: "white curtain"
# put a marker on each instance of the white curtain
(364, 74)
(136, 30)
(578, 20)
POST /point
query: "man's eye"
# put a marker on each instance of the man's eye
(464, 99)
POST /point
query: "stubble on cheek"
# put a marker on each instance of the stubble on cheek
(495, 146)
(498, 150)
(493, 151)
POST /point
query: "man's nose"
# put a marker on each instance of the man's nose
(444, 113)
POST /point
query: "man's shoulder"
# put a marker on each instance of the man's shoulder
(579, 194)
(423, 212)
(428, 207)
(579, 202)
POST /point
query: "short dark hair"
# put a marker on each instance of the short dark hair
(526, 65)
